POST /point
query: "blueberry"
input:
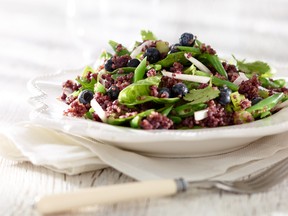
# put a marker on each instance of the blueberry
(85, 96)
(256, 100)
(173, 48)
(133, 63)
(113, 92)
(187, 39)
(108, 65)
(164, 93)
(179, 90)
(224, 97)
(153, 55)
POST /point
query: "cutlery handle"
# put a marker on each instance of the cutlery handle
(109, 194)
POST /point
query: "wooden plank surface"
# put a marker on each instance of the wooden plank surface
(40, 37)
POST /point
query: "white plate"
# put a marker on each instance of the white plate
(170, 143)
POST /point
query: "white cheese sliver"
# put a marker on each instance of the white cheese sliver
(200, 115)
(197, 63)
(138, 49)
(98, 109)
(242, 77)
(238, 80)
(187, 77)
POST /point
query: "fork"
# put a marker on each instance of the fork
(157, 188)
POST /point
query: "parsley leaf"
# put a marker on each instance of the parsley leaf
(148, 35)
(201, 95)
(258, 67)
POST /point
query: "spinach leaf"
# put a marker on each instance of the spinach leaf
(174, 57)
(197, 96)
(132, 94)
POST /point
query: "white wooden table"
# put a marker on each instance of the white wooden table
(36, 38)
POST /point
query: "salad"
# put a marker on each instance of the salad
(156, 85)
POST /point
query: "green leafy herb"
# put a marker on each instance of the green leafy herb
(201, 95)
(147, 35)
(257, 67)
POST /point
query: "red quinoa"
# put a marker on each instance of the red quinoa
(217, 116)
(231, 70)
(177, 67)
(151, 72)
(153, 91)
(76, 109)
(123, 81)
(120, 61)
(188, 122)
(208, 49)
(156, 121)
(249, 88)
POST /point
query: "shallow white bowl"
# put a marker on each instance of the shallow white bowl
(164, 143)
